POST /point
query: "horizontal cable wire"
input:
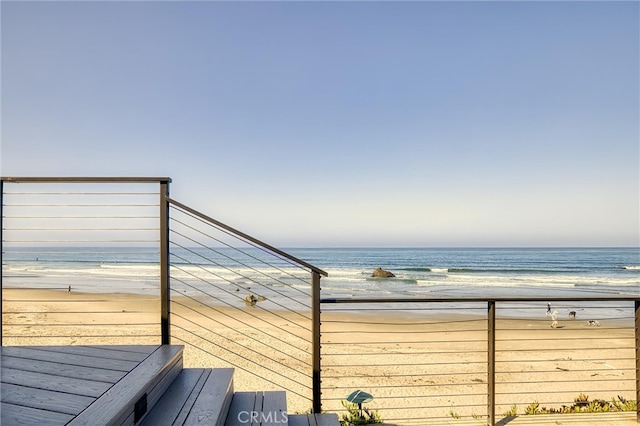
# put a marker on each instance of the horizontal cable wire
(230, 293)
(246, 324)
(243, 264)
(237, 309)
(241, 275)
(238, 355)
(237, 237)
(244, 346)
(239, 366)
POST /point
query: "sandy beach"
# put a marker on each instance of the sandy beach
(415, 366)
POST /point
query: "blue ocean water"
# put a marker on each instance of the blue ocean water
(420, 272)
(479, 272)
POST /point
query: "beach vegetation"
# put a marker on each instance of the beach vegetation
(356, 415)
(583, 405)
(511, 412)
(533, 408)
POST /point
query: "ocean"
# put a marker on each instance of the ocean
(419, 272)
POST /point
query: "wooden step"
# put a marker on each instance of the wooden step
(198, 396)
(127, 401)
(329, 419)
(258, 409)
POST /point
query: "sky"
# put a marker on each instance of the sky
(333, 124)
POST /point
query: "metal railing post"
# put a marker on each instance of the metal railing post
(1, 248)
(491, 362)
(637, 334)
(164, 262)
(315, 317)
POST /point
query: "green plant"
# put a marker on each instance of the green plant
(512, 412)
(358, 416)
(454, 414)
(582, 405)
(582, 399)
(533, 408)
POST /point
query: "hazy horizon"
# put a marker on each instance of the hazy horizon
(342, 124)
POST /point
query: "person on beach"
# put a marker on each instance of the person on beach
(548, 309)
(69, 289)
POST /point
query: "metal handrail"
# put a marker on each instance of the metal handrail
(628, 298)
(69, 179)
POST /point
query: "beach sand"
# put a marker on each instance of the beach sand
(415, 366)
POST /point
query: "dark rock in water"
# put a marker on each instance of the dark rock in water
(250, 300)
(381, 273)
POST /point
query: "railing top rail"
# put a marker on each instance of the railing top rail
(69, 179)
(247, 237)
(482, 299)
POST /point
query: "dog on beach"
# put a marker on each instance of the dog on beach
(593, 323)
(572, 315)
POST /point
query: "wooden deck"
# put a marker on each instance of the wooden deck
(81, 385)
(128, 385)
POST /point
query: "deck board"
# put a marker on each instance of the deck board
(52, 385)
(193, 396)
(118, 401)
(106, 353)
(19, 415)
(274, 408)
(66, 358)
(328, 419)
(241, 404)
(174, 399)
(45, 399)
(65, 370)
(212, 404)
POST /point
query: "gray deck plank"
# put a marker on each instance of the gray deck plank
(171, 403)
(73, 371)
(68, 359)
(324, 419)
(45, 399)
(18, 415)
(155, 392)
(213, 403)
(108, 353)
(118, 401)
(144, 349)
(328, 419)
(186, 408)
(69, 385)
(274, 408)
(257, 408)
(298, 420)
(242, 404)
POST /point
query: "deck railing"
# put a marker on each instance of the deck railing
(109, 226)
(241, 302)
(142, 252)
(234, 300)
(436, 360)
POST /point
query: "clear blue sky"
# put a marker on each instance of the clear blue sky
(342, 123)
